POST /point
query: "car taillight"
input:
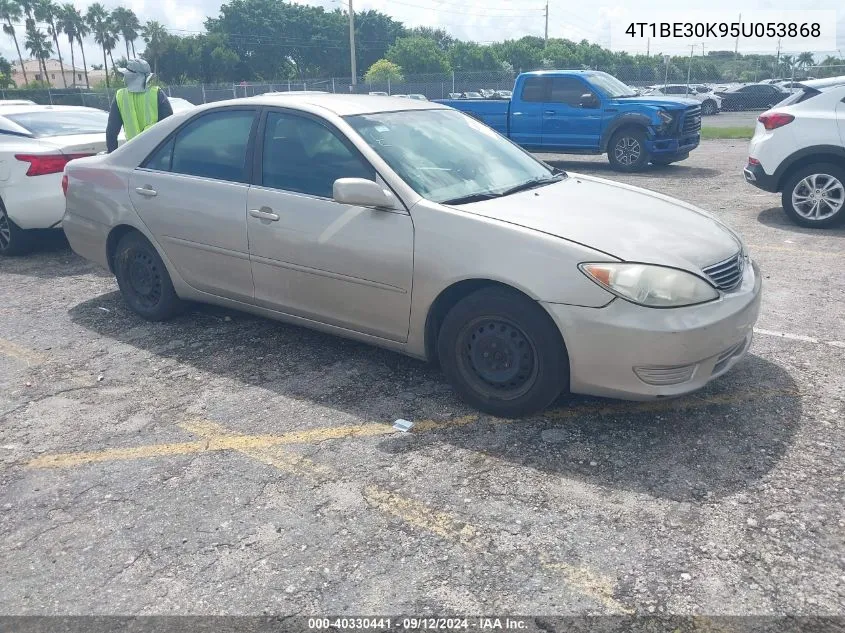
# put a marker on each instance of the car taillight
(753, 161)
(64, 184)
(775, 120)
(43, 164)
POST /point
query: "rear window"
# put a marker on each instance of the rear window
(61, 123)
(799, 97)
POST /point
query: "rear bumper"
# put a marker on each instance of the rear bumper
(36, 202)
(755, 175)
(87, 238)
(636, 353)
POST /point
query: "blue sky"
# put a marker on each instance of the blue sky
(482, 20)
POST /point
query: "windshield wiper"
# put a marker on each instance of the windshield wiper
(473, 197)
(533, 184)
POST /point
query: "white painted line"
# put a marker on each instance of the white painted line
(798, 337)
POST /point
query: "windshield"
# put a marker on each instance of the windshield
(61, 122)
(611, 86)
(445, 155)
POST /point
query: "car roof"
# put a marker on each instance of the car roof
(26, 109)
(339, 104)
(827, 82)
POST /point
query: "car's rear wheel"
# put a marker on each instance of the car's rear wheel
(814, 196)
(709, 107)
(143, 279)
(626, 150)
(13, 239)
(502, 353)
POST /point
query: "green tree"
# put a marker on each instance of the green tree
(805, 59)
(39, 46)
(441, 36)
(75, 27)
(154, 35)
(98, 20)
(418, 55)
(48, 12)
(127, 24)
(10, 12)
(383, 71)
(471, 56)
(5, 73)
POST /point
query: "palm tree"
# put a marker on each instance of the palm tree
(154, 34)
(39, 46)
(128, 26)
(11, 11)
(76, 23)
(805, 59)
(47, 11)
(98, 20)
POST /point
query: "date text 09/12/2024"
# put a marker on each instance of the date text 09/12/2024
(416, 624)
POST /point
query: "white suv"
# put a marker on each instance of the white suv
(798, 149)
(710, 103)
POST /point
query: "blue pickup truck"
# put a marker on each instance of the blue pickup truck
(591, 112)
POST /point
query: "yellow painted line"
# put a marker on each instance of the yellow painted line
(420, 515)
(65, 460)
(13, 350)
(588, 582)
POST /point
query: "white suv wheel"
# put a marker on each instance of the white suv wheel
(815, 195)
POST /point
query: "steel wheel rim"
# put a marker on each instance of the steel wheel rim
(144, 279)
(5, 231)
(818, 197)
(497, 358)
(627, 150)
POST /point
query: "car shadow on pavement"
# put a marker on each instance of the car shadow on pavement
(604, 168)
(776, 218)
(51, 257)
(703, 446)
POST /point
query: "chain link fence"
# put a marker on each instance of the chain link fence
(742, 84)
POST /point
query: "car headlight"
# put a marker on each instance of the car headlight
(650, 285)
(665, 117)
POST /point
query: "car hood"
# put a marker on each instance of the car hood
(628, 223)
(655, 100)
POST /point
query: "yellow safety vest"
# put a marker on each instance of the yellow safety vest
(138, 110)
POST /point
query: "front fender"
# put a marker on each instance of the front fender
(629, 118)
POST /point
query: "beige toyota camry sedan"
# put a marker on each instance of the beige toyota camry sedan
(414, 227)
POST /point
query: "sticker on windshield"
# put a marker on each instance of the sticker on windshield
(382, 128)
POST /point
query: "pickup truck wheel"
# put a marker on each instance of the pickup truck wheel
(502, 353)
(814, 196)
(143, 279)
(13, 239)
(626, 150)
(709, 107)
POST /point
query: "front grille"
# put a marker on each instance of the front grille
(727, 274)
(692, 120)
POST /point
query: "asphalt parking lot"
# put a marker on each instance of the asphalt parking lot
(222, 463)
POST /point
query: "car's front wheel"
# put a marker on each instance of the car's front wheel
(13, 239)
(502, 353)
(709, 107)
(626, 150)
(143, 279)
(814, 196)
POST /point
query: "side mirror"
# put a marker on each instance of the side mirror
(589, 100)
(360, 192)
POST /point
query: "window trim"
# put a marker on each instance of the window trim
(249, 162)
(258, 154)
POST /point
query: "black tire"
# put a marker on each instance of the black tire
(13, 239)
(827, 175)
(709, 107)
(482, 336)
(143, 279)
(626, 150)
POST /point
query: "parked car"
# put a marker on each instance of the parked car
(418, 97)
(401, 96)
(178, 104)
(650, 296)
(454, 95)
(710, 103)
(379, 94)
(504, 94)
(798, 149)
(16, 102)
(591, 112)
(36, 142)
(752, 97)
(471, 95)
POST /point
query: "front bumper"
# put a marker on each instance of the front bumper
(676, 350)
(755, 175)
(663, 146)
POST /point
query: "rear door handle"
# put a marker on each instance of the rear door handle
(549, 112)
(264, 213)
(146, 191)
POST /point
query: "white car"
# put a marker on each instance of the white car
(178, 104)
(710, 103)
(798, 150)
(36, 142)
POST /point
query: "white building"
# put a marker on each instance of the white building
(74, 77)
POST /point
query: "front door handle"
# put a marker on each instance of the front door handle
(552, 112)
(147, 191)
(264, 213)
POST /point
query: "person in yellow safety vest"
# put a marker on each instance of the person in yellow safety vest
(137, 106)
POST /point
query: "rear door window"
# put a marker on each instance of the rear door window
(534, 90)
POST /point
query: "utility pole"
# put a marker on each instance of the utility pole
(352, 43)
(736, 46)
(647, 47)
(689, 68)
(777, 63)
(546, 38)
